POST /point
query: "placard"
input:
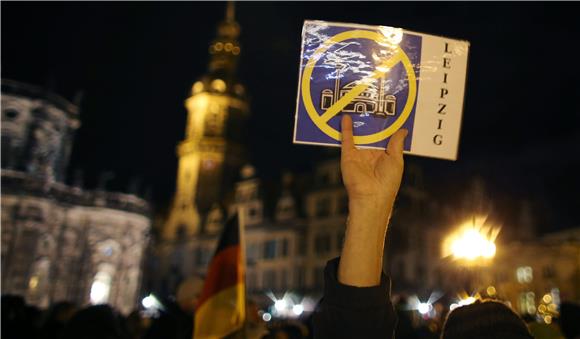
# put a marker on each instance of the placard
(386, 78)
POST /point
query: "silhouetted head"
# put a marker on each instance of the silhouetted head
(484, 320)
(569, 315)
(94, 322)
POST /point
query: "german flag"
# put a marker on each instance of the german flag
(221, 307)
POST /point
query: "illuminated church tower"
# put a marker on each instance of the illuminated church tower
(211, 154)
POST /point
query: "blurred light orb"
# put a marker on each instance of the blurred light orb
(491, 291)
(547, 298)
(99, 292)
(471, 244)
(424, 308)
(218, 85)
(266, 316)
(466, 301)
(280, 305)
(298, 309)
(148, 302)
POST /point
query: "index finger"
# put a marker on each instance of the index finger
(347, 138)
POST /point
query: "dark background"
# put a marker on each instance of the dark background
(136, 62)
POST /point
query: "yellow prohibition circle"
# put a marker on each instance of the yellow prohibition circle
(322, 124)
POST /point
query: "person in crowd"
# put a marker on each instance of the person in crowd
(136, 325)
(18, 319)
(95, 322)
(569, 320)
(484, 319)
(356, 301)
(56, 318)
(176, 320)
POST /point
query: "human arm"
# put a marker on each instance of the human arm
(356, 301)
(372, 179)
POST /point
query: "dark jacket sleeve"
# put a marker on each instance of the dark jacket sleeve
(354, 312)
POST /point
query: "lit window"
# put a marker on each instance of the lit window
(527, 303)
(101, 287)
(524, 274)
(198, 87)
(218, 85)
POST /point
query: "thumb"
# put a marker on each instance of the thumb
(397, 142)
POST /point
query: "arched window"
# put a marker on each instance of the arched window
(11, 114)
(101, 286)
(390, 104)
(327, 99)
(38, 283)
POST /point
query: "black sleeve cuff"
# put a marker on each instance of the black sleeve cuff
(354, 297)
(348, 312)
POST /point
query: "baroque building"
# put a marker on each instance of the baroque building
(62, 242)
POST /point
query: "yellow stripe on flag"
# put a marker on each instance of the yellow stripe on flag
(222, 314)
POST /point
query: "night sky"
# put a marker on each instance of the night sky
(135, 63)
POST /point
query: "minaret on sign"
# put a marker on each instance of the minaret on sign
(211, 154)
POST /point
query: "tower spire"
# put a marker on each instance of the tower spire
(231, 11)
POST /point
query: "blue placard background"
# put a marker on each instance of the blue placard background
(358, 55)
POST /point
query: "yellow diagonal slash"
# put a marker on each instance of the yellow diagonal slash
(364, 84)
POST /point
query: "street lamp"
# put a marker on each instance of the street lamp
(472, 241)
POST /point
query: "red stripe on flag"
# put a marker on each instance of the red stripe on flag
(224, 271)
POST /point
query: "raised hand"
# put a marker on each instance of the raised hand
(372, 179)
(371, 174)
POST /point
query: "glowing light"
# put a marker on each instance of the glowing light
(542, 309)
(219, 85)
(197, 87)
(453, 306)
(548, 319)
(547, 298)
(491, 290)
(266, 316)
(298, 309)
(150, 302)
(473, 241)
(280, 305)
(33, 283)
(466, 301)
(99, 292)
(552, 307)
(424, 308)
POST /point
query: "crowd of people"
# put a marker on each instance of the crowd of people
(65, 320)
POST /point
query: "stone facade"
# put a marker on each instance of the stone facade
(61, 242)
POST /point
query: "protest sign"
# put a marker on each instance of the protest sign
(386, 78)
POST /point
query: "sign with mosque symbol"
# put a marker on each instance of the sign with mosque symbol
(386, 78)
